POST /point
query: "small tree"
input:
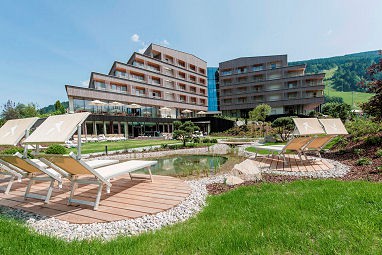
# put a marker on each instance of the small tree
(284, 126)
(260, 114)
(184, 131)
(374, 105)
(337, 110)
(10, 111)
(59, 108)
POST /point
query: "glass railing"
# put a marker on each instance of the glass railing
(137, 64)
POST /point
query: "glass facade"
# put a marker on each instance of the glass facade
(213, 89)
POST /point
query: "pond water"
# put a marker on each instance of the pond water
(188, 165)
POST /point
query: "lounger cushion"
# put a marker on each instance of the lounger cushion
(123, 168)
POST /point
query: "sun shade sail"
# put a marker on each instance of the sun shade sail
(14, 130)
(308, 126)
(57, 129)
(334, 126)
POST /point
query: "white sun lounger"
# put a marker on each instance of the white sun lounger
(18, 166)
(77, 168)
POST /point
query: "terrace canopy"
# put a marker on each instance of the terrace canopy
(308, 126)
(334, 126)
(13, 131)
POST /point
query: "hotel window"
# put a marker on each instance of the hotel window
(242, 100)
(226, 72)
(227, 101)
(202, 81)
(257, 68)
(192, 67)
(182, 99)
(242, 79)
(156, 94)
(202, 101)
(182, 86)
(273, 66)
(193, 89)
(192, 78)
(242, 70)
(139, 91)
(99, 85)
(202, 71)
(181, 63)
(202, 91)
(182, 75)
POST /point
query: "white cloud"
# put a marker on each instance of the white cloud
(85, 83)
(329, 32)
(135, 38)
(165, 42)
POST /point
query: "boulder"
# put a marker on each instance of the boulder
(233, 180)
(247, 170)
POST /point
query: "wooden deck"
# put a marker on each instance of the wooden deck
(128, 199)
(294, 164)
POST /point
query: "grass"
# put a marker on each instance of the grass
(304, 217)
(120, 145)
(353, 99)
(259, 151)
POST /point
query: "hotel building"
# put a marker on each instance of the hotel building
(147, 93)
(247, 82)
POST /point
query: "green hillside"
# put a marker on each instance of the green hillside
(353, 98)
(343, 75)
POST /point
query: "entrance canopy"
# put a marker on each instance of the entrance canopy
(308, 126)
(13, 131)
(334, 126)
(57, 128)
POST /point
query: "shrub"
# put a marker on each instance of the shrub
(175, 146)
(364, 161)
(196, 139)
(360, 127)
(164, 146)
(56, 149)
(190, 145)
(373, 140)
(378, 153)
(359, 151)
(13, 150)
(213, 140)
(379, 169)
(205, 140)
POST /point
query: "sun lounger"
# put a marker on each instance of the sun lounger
(18, 167)
(77, 168)
(296, 144)
(317, 144)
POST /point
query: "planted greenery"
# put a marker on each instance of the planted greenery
(378, 153)
(364, 161)
(56, 149)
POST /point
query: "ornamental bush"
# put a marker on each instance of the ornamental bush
(56, 149)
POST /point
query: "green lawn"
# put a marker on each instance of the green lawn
(304, 217)
(120, 145)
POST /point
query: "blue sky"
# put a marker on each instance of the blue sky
(47, 44)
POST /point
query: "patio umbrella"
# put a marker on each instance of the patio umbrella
(116, 104)
(134, 106)
(186, 111)
(164, 109)
(201, 112)
(97, 103)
